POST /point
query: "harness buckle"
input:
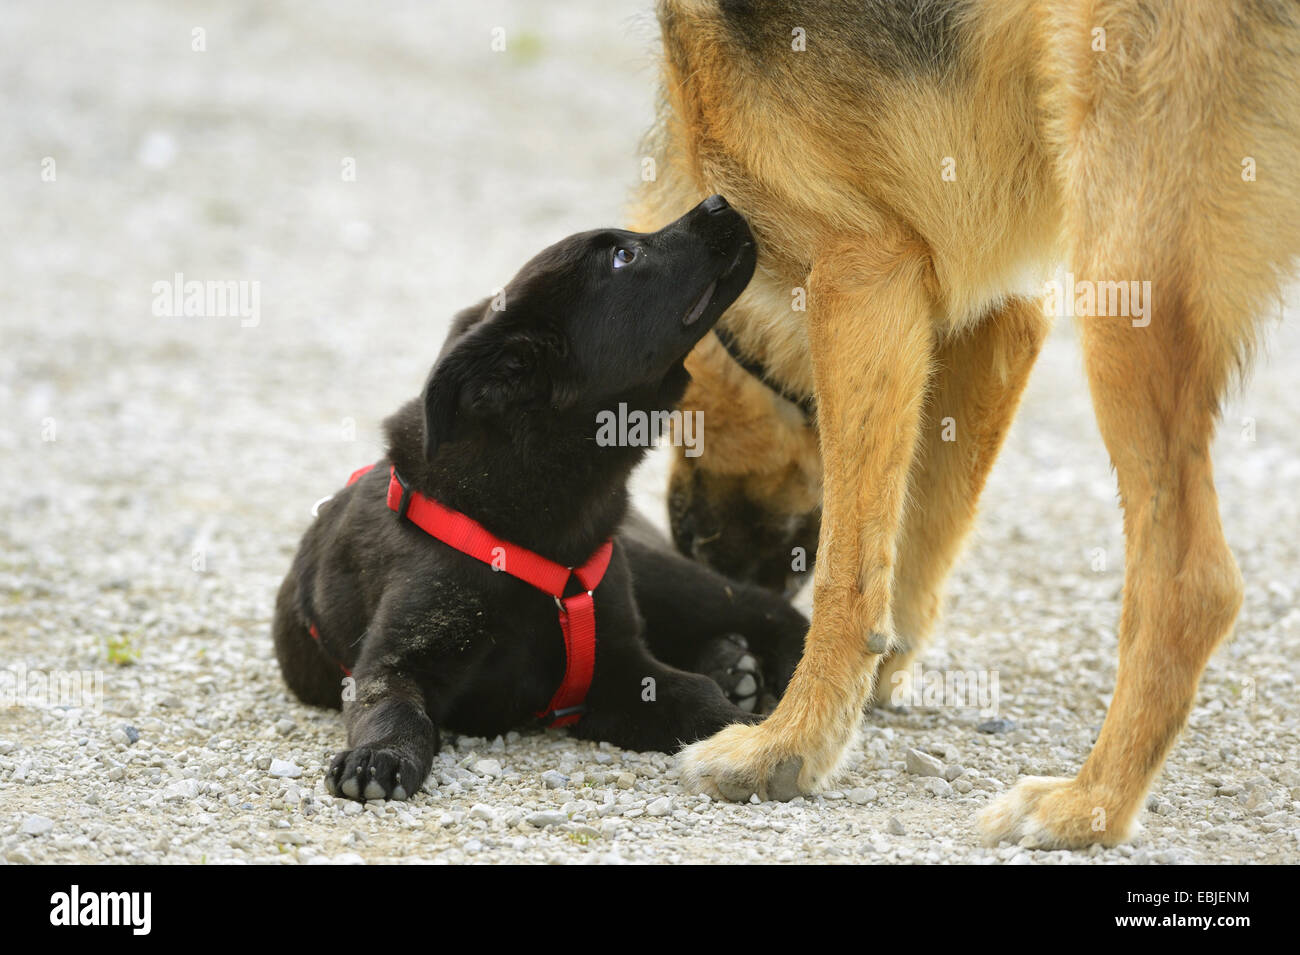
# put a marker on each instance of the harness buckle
(559, 601)
(406, 496)
(560, 714)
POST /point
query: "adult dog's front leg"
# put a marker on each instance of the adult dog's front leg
(869, 327)
(975, 388)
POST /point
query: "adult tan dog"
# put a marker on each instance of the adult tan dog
(914, 167)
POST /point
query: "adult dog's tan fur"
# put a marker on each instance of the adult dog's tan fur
(1126, 164)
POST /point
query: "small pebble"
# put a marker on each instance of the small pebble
(283, 769)
(541, 820)
(923, 764)
(36, 825)
(554, 780)
(181, 790)
(937, 786)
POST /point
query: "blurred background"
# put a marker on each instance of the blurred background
(375, 167)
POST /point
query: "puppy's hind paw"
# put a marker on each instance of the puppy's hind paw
(373, 773)
(728, 662)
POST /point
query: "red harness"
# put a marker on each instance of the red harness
(577, 613)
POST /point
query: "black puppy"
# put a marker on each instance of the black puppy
(440, 580)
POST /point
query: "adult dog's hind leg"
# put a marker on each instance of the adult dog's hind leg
(1155, 391)
(869, 327)
(975, 390)
(1152, 193)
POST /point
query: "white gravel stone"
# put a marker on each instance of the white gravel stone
(546, 818)
(284, 769)
(938, 787)
(923, 764)
(36, 825)
(181, 789)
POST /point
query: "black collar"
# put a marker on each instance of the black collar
(805, 403)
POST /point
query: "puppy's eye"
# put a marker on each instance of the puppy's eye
(624, 257)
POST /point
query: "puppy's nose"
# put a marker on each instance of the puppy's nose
(714, 204)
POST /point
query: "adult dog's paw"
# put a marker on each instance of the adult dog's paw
(728, 662)
(1050, 812)
(373, 773)
(741, 761)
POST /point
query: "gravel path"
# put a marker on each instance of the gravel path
(145, 541)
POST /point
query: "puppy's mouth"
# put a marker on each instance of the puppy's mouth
(701, 304)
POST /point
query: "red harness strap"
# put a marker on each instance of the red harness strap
(315, 635)
(577, 613)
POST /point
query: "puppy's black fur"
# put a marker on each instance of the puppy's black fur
(505, 432)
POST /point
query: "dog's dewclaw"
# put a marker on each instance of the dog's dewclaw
(878, 643)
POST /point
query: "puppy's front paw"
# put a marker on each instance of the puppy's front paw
(373, 773)
(728, 662)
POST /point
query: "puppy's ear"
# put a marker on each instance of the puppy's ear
(493, 371)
